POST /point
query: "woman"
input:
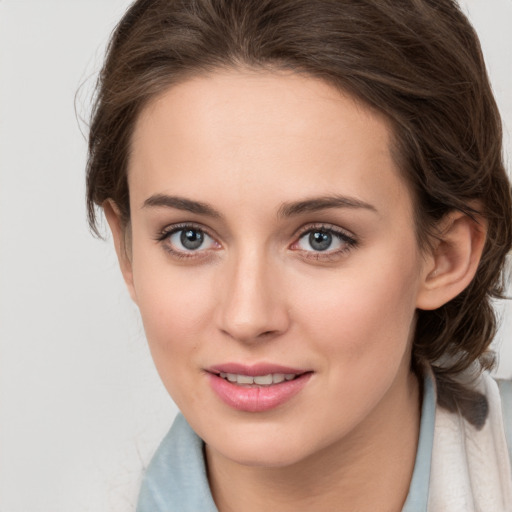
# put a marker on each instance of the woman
(310, 209)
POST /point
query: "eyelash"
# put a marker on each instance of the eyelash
(168, 231)
(348, 241)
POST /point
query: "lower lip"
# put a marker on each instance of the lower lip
(257, 398)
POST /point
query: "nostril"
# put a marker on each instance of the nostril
(240, 335)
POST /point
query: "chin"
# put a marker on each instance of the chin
(266, 449)
(264, 457)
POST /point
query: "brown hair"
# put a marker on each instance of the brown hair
(417, 61)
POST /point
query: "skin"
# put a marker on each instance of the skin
(246, 143)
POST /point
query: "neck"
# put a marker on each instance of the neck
(368, 470)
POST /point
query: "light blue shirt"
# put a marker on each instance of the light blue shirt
(176, 480)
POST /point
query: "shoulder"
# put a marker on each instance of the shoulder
(470, 458)
(505, 387)
(175, 480)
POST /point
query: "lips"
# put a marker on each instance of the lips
(256, 388)
(255, 369)
(259, 380)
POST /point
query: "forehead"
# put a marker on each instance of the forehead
(233, 131)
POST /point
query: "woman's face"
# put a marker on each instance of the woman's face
(272, 234)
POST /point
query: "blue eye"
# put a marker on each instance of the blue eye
(325, 240)
(320, 240)
(190, 239)
(187, 239)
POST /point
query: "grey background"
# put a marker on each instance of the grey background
(81, 407)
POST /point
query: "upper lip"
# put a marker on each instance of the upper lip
(254, 370)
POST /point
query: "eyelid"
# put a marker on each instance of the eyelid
(349, 240)
(164, 234)
(344, 235)
(328, 228)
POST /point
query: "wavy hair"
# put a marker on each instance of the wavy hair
(419, 62)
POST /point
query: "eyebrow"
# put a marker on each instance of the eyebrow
(286, 210)
(322, 203)
(180, 203)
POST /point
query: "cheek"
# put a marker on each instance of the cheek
(365, 312)
(174, 313)
(175, 305)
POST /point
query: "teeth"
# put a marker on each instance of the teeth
(264, 380)
(260, 380)
(244, 379)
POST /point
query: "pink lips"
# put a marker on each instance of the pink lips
(256, 398)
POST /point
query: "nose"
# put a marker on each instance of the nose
(252, 306)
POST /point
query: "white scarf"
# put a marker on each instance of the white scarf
(470, 469)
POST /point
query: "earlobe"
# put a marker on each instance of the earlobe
(119, 235)
(453, 260)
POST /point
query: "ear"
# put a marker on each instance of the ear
(453, 261)
(119, 235)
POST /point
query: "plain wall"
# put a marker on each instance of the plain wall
(81, 406)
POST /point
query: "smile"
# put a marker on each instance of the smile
(256, 388)
(259, 380)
